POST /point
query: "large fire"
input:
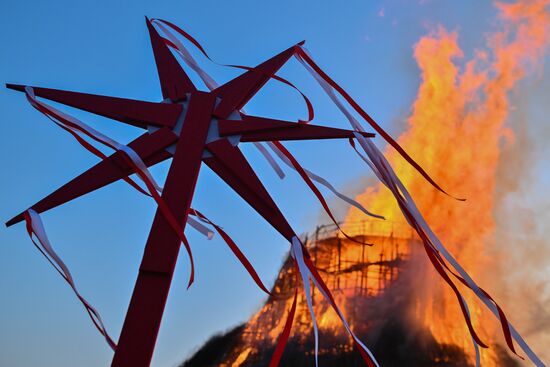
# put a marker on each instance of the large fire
(456, 132)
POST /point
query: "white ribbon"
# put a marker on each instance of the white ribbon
(383, 170)
(323, 182)
(272, 162)
(296, 251)
(387, 176)
(113, 144)
(297, 254)
(98, 136)
(391, 181)
(48, 251)
(200, 228)
(212, 84)
(188, 59)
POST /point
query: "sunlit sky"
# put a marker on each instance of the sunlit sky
(103, 47)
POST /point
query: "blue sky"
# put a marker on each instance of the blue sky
(103, 47)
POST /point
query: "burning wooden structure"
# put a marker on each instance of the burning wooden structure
(375, 288)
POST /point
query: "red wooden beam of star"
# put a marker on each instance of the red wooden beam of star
(190, 126)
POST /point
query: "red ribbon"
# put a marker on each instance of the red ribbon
(235, 249)
(387, 177)
(314, 188)
(187, 36)
(304, 56)
(63, 270)
(437, 263)
(283, 338)
(505, 325)
(321, 283)
(70, 126)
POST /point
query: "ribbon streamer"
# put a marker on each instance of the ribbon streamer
(385, 173)
(322, 78)
(463, 305)
(308, 271)
(283, 338)
(323, 182)
(35, 226)
(434, 245)
(313, 188)
(75, 126)
(210, 83)
(186, 56)
(78, 126)
(296, 251)
(235, 249)
(199, 227)
(278, 170)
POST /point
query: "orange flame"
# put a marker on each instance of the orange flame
(456, 131)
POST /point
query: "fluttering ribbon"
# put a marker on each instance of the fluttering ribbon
(296, 251)
(77, 127)
(438, 254)
(272, 162)
(382, 169)
(314, 189)
(283, 157)
(433, 258)
(309, 272)
(235, 249)
(283, 338)
(433, 246)
(302, 55)
(199, 227)
(173, 42)
(36, 227)
(210, 83)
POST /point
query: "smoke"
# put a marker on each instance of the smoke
(519, 278)
(522, 214)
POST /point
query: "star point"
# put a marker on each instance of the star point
(191, 127)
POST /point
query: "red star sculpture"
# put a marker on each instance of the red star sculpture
(191, 127)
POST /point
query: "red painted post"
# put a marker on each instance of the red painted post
(141, 326)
